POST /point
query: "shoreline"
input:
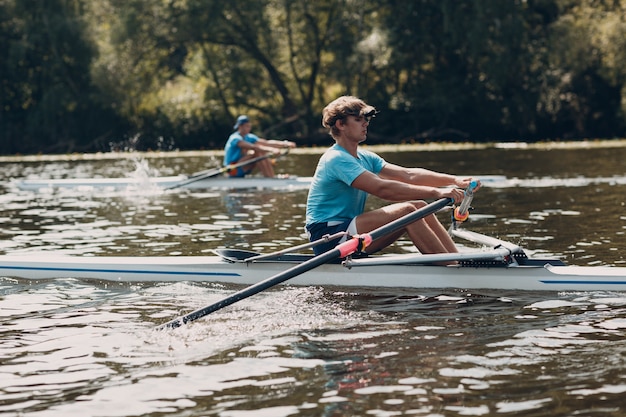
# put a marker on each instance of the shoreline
(427, 147)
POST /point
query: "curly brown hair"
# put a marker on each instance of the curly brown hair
(343, 107)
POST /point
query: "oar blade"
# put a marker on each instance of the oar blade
(254, 289)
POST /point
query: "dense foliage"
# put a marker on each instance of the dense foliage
(81, 75)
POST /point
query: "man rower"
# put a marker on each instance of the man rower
(242, 146)
(346, 175)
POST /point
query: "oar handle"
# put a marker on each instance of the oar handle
(461, 213)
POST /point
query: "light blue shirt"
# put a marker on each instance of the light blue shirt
(232, 152)
(331, 196)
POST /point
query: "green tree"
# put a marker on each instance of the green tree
(87, 75)
(277, 60)
(46, 91)
(472, 67)
(585, 84)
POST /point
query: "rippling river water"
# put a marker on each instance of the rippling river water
(72, 347)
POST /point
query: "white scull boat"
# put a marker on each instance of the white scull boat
(215, 182)
(503, 267)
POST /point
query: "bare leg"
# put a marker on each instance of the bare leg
(266, 167)
(441, 232)
(427, 234)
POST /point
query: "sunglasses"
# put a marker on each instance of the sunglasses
(367, 116)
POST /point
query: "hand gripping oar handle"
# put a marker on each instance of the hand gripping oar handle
(357, 243)
(461, 213)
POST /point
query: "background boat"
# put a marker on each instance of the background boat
(216, 182)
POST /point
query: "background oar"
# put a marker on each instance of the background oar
(211, 171)
(217, 171)
(340, 251)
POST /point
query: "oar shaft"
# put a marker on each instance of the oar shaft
(218, 171)
(404, 221)
(253, 289)
(340, 251)
(358, 243)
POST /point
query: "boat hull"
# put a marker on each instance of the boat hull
(217, 182)
(216, 269)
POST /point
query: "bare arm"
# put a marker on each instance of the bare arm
(422, 176)
(280, 144)
(396, 183)
(265, 145)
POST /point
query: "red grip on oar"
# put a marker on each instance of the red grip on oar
(357, 243)
(460, 217)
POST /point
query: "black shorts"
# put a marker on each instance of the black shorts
(318, 230)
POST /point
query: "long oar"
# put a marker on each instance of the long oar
(217, 171)
(340, 251)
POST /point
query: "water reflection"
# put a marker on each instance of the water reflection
(562, 206)
(85, 347)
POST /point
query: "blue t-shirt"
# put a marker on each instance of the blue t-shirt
(232, 152)
(331, 196)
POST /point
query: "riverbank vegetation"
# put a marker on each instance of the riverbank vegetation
(85, 76)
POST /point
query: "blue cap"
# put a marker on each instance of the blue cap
(241, 120)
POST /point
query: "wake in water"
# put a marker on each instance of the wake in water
(141, 177)
(497, 181)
